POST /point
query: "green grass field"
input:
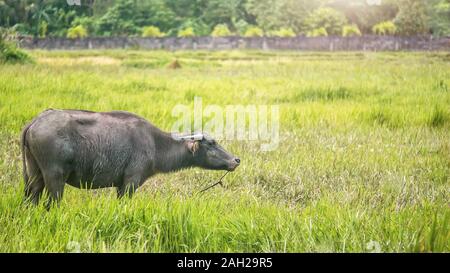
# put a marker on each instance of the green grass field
(363, 162)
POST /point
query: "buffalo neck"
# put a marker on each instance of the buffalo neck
(171, 154)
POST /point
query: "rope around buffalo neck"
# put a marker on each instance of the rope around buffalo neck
(215, 184)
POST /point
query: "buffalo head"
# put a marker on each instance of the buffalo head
(208, 154)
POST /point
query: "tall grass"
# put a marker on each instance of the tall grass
(364, 155)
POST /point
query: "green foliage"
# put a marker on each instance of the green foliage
(365, 14)
(439, 17)
(294, 14)
(350, 30)
(221, 30)
(384, 28)
(155, 13)
(118, 20)
(283, 32)
(40, 13)
(9, 51)
(152, 31)
(329, 19)
(241, 26)
(87, 22)
(187, 32)
(61, 20)
(254, 31)
(275, 14)
(42, 29)
(319, 32)
(198, 26)
(77, 32)
(127, 17)
(411, 18)
(227, 12)
(266, 12)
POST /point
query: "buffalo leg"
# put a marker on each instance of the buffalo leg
(129, 186)
(54, 184)
(34, 185)
(34, 189)
(125, 191)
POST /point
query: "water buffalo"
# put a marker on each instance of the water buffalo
(107, 149)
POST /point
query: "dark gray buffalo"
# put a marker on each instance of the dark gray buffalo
(112, 149)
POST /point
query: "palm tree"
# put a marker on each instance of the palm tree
(39, 13)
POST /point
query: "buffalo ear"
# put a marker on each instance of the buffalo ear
(193, 146)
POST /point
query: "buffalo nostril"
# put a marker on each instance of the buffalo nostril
(237, 160)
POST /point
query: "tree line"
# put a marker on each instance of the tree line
(184, 18)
